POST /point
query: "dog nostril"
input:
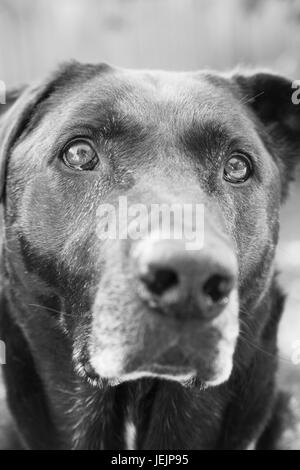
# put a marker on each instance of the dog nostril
(217, 288)
(159, 281)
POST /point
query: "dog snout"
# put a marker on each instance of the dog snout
(183, 283)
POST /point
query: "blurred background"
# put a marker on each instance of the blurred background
(172, 34)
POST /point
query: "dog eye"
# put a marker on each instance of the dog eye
(80, 155)
(237, 169)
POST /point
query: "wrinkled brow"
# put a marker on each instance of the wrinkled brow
(108, 126)
(213, 136)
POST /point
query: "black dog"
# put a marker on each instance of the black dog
(142, 343)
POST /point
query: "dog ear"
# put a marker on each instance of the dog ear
(14, 117)
(274, 102)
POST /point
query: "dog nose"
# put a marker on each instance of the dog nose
(184, 283)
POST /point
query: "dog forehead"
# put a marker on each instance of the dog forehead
(149, 97)
(138, 89)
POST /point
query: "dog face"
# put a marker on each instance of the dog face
(93, 137)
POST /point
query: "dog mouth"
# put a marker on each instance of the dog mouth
(186, 375)
(185, 353)
(171, 366)
(172, 363)
(183, 373)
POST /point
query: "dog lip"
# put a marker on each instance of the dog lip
(170, 370)
(183, 376)
(90, 372)
(86, 371)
